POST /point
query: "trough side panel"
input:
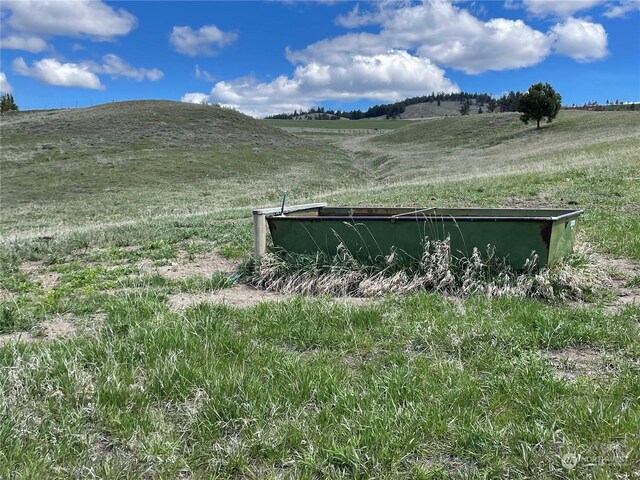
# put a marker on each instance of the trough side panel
(562, 239)
(512, 240)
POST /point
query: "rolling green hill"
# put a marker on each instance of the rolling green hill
(150, 158)
(149, 123)
(500, 128)
(500, 144)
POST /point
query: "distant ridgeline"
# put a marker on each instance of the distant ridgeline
(507, 103)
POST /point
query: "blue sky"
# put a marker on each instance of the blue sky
(269, 57)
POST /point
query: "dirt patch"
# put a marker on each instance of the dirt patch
(60, 326)
(626, 297)
(623, 270)
(573, 362)
(202, 265)
(29, 268)
(240, 296)
(48, 280)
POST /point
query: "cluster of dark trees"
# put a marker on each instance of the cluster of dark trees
(540, 102)
(7, 103)
(392, 110)
(507, 103)
(315, 113)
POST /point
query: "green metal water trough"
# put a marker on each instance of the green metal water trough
(369, 232)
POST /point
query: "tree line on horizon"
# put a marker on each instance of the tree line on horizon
(508, 102)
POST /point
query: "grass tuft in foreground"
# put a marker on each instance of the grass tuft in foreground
(438, 270)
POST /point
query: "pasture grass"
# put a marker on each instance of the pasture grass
(83, 287)
(149, 159)
(162, 182)
(477, 131)
(419, 386)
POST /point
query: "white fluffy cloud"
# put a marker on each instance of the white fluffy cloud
(28, 43)
(116, 67)
(581, 40)
(83, 75)
(390, 76)
(201, 42)
(622, 8)
(5, 86)
(195, 98)
(51, 72)
(498, 44)
(558, 8)
(27, 23)
(439, 31)
(407, 54)
(73, 18)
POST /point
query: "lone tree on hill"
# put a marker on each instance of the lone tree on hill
(464, 109)
(7, 103)
(539, 102)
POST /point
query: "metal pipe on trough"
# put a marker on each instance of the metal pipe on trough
(259, 235)
(260, 224)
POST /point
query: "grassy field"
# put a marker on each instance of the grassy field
(130, 346)
(131, 160)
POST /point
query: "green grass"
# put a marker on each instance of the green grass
(463, 132)
(422, 386)
(479, 131)
(162, 182)
(51, 176)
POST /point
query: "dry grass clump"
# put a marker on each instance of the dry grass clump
(438, 270)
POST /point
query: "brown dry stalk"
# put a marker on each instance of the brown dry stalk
(437, 270)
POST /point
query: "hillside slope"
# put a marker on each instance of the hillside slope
(148, 122)
(432, 109)
(492, 129)
(149, 158)
(494, 144)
